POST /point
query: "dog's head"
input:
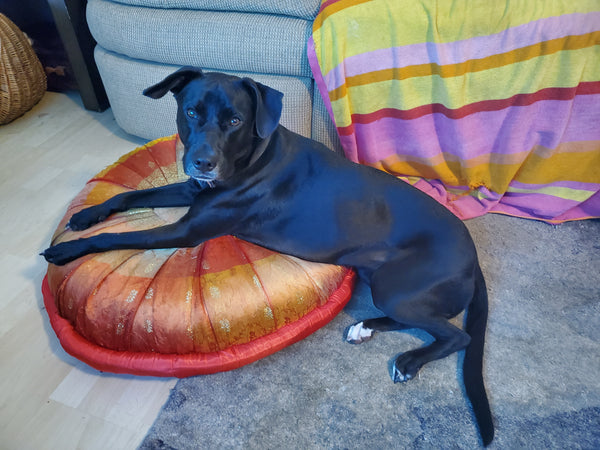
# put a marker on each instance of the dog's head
(221, 120)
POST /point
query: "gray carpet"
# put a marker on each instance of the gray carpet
(542, 367)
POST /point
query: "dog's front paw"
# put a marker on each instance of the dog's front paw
(405, 368)
(358, 333)
(86, 218)
(62, 253)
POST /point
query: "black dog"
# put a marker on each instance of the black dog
(254, 179)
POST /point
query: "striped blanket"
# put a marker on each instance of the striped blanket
(486, 106)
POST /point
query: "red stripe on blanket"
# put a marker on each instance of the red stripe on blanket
(584, 88)
(327, 3)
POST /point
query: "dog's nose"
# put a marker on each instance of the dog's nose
(204, 165)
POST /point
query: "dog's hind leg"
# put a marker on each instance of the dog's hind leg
(414, 296)
(448, 339)
(363, 331)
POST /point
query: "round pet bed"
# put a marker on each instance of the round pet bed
(180, 312)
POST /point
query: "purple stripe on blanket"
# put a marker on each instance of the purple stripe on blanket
(592, 187)
(537, 205)
(461, 51)
(514, 130)
(547, 207)
(463, 206)
(587, 209)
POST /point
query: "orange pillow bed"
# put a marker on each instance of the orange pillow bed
(180, 312)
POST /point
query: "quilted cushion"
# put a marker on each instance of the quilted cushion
(259, 43)
(306, 9)
(180, 312)
(125, 79)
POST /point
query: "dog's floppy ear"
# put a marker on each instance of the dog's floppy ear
(174, 82)
(268, 107)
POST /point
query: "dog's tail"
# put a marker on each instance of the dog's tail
(473, 363)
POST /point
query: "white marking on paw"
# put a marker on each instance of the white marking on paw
(358, 333)
(399, 377)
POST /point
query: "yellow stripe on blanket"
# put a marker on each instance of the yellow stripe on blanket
(544, 170)
(578, 195)
(496, 171)
(476, 65)
(478, 18)
(565, 69)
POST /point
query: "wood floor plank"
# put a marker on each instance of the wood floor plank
(48, 399)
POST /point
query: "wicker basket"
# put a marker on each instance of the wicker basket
(22, 77)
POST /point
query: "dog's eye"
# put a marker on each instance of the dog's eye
(191, 113)
(234, 121)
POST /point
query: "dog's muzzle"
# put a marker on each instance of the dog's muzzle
(201, 169)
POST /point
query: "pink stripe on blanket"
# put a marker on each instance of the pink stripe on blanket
(515, 130)
(461, 51)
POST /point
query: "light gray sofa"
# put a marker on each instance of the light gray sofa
(142, 41)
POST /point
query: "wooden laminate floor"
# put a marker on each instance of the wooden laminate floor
(49, 400)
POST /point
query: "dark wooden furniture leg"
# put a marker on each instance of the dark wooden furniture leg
(69, 16)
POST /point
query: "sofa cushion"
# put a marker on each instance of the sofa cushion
(306, 9)
(219, 40)
(125, 79)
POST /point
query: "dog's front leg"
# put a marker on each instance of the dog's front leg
(178, 234)
(179, 194)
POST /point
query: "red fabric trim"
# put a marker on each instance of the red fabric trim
(175, 365)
